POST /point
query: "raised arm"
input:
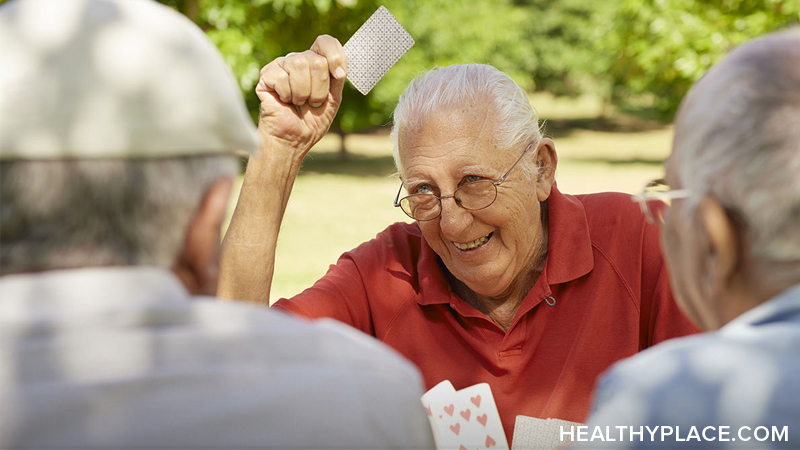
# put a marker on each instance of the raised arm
(300, 94)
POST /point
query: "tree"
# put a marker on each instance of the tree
(662, 47)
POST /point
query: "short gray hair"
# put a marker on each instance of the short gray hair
(441, 87)
(738, 139)
(62, 214)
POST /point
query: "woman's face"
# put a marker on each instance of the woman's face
(487, 249)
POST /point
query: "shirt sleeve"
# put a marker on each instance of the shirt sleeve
(340, 295)
(661, 319)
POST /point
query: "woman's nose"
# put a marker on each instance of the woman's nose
(454, 219)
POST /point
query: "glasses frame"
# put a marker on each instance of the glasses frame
(665, 197)
(397, 198)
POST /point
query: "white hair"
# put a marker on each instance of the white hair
(470, 84)
(62, 214)
(738, 140)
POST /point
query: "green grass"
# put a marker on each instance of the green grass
(336, 205)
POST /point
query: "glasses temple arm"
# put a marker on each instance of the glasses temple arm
(503, 178)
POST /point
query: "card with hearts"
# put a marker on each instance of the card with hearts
(468, 420)
(437, 395)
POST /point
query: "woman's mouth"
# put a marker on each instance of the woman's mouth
(467, 246)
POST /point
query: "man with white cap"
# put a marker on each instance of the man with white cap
(732, 243)
(118, 123)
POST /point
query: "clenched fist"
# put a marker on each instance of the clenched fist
(300, 94)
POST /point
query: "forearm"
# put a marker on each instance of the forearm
(248, 250)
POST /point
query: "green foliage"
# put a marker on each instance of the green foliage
(663, 47)
(638, 53)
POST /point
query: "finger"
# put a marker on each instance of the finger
(298, 68)
(331, 49)
(320, 80)
(274, 78)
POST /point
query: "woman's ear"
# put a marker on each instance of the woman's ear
(546, 162)
(197, 265)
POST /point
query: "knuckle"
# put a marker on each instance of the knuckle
(319, 64)
(296, 63)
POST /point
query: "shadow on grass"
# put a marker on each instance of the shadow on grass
(618, 162)
(622, 124)
(355, 165)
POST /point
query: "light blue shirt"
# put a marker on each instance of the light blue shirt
(746, 374)
(123, 357)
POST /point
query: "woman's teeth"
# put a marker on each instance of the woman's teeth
(474, 244)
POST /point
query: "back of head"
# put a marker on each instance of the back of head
(116, 116)
(468, 86)
(738, 139)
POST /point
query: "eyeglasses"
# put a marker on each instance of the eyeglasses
(472, 196)
(656, 198)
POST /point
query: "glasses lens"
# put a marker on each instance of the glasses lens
(476, 195)
(421, 206)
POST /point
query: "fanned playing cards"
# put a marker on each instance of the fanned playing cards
(465, 419)
(468, 420)
(375, 48)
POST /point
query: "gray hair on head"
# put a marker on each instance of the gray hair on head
(476, 84)
(738, 140)
(63, 214)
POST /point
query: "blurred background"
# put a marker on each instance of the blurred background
(606, 76)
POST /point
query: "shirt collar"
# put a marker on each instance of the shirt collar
(569, 255)
(784, 305)
(49, 298)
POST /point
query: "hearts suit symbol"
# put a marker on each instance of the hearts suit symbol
(456, 428)
(465, 414)
(476, 400)
(482, 419)
(428, 409)
(449, 409)
(461, 447)
(490, 442)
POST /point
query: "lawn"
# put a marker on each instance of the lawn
(337, 205)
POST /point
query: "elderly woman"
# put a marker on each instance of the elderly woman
(501, 278)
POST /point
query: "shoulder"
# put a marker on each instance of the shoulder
(611, 210)
(323, 342)
(701, 379)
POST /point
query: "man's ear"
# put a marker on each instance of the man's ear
(198, 263)
(724, 244)
(547, 159)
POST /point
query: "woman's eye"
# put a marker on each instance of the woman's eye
(472, 178)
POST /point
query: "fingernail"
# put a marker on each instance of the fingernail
(314, 105)
(339, 73)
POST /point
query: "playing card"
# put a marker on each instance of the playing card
(531, 433)
(469, 420)
(437, 394)
(375, 48)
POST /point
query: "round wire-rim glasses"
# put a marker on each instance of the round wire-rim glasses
(472, 196)
(656, 198)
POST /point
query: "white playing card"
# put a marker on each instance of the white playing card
(375, 48)
(469, 420)
(531, 433)
(437, 394)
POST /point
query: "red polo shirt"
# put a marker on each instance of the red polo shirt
(603, 295)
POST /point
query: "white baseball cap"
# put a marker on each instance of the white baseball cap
(114, 79)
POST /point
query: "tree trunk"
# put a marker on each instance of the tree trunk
(342, 148)
(191, 8)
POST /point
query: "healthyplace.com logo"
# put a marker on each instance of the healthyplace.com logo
(585, 433)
